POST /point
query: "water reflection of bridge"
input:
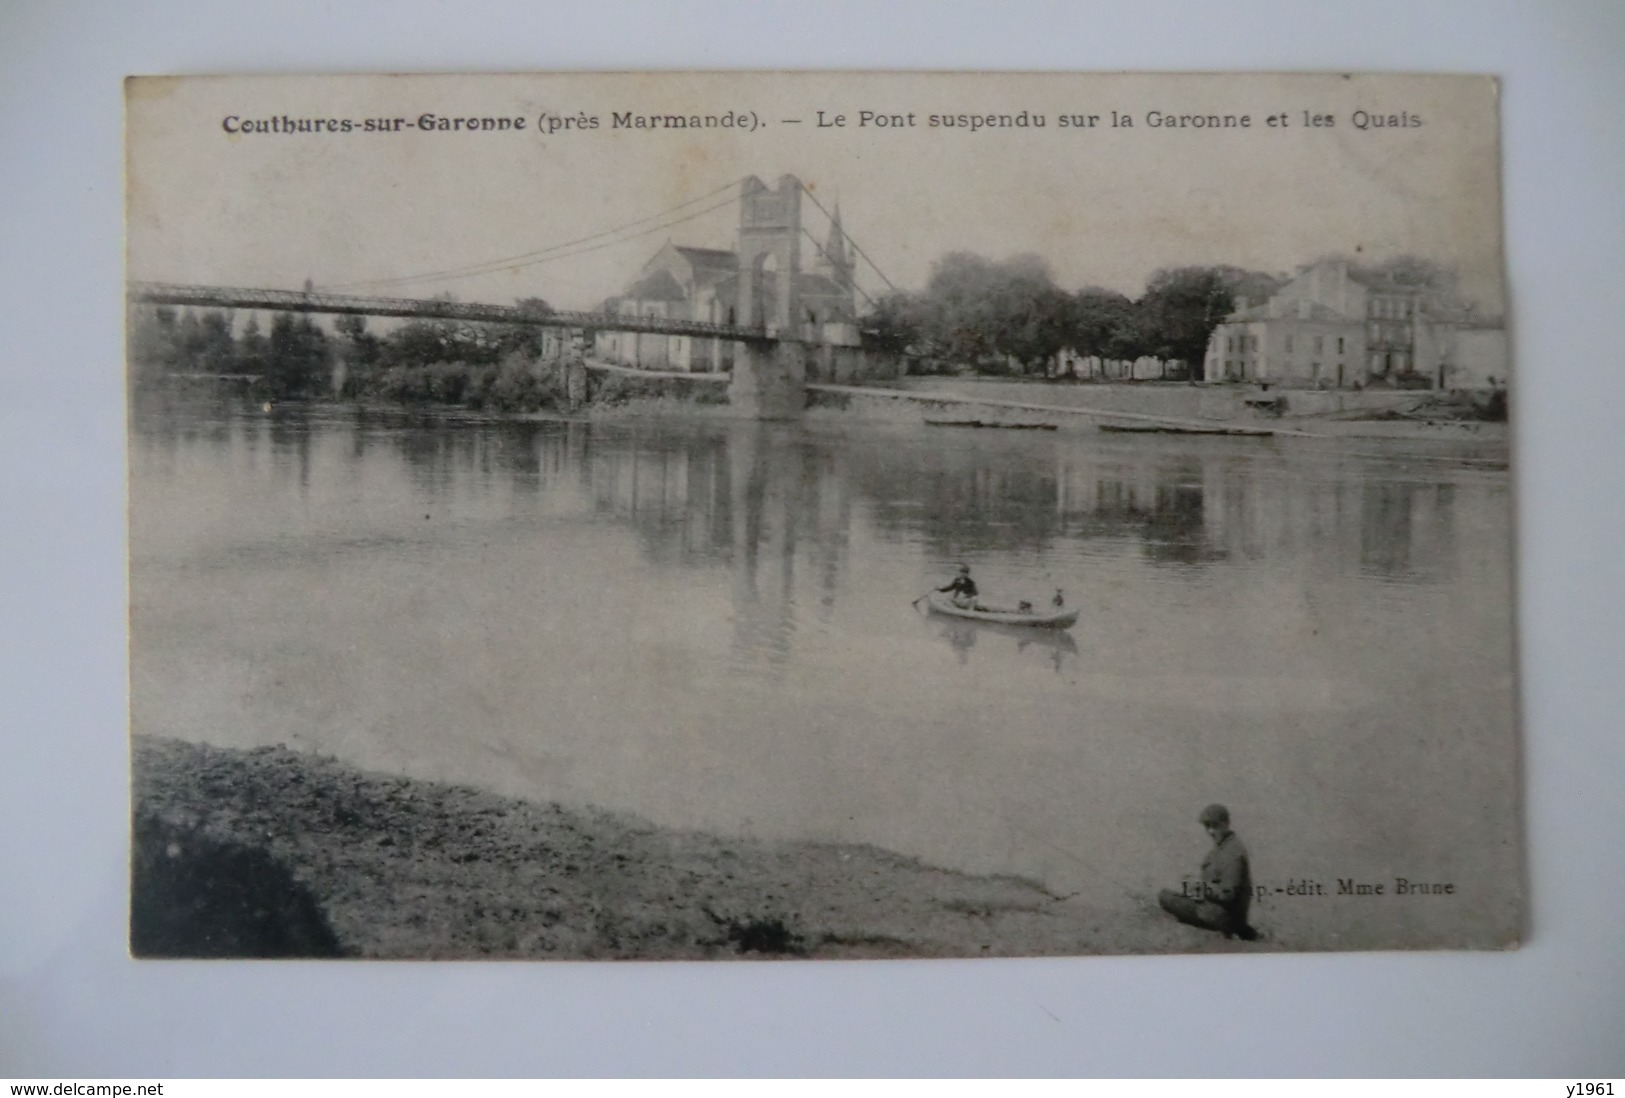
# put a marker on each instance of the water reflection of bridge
(780, 516)
(780, 505)
(767, 505)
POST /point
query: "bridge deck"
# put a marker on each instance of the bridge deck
(231, 297)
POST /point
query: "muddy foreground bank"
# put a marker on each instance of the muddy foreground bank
(274, 852)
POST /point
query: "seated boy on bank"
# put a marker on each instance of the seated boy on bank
(1220, 898)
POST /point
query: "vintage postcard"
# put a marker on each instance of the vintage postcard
(819, 516)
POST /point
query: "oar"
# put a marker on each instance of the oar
(922, 598)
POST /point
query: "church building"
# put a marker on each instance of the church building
(687, 283)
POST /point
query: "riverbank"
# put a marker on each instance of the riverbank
(619, 393)
(279, 852)
(1376, 413)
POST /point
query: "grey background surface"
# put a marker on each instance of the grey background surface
(71, 1004)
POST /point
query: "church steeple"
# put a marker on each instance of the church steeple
(835, 255)
(836, 261)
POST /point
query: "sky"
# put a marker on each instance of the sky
(407, 212)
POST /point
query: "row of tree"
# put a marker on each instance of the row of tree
(1010, 316)
(443, 361)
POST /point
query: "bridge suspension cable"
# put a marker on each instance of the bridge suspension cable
(848, 236)
(544, 255)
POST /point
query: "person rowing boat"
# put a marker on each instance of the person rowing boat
(961, 599)
(962, 589)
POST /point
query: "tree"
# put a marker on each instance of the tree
(188, 343)
(523, 339)
(1031, 317)
(985, 312)
(425, 342)
(298, 362)
(895, 323)
(1105, 324)
(152, 340)
(253, 352)
(1035, 325)
(958, 310)
(1181, 306)
(361, 353)
(217, 351)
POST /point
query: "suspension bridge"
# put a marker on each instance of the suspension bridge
(773, 333)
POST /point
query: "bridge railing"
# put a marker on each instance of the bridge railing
(233, 297)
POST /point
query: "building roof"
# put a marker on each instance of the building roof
(718, 271)
(711, 261)
(820, 285)
(1384, 285)
(1261, 311)
(659, 286)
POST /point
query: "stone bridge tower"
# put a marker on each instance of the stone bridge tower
(769, 377)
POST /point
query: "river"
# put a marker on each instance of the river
(709, 624)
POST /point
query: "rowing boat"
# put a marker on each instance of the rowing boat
(1060, 619)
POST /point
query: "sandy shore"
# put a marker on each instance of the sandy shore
(274, 852)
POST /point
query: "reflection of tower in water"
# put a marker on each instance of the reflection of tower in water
(787, 498)
(750, 501)
(763, 513)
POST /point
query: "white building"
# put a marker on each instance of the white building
(1330, 327)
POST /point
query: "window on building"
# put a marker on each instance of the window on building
(1320, 344)
(1339, 344)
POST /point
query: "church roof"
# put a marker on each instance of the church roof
(717, 270)
(712, 261)
(820, 285)
(659, 286)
